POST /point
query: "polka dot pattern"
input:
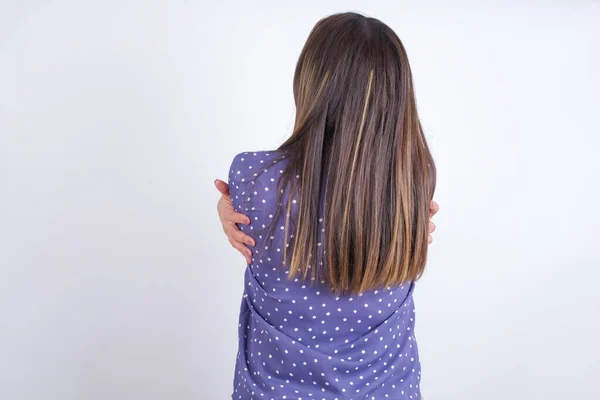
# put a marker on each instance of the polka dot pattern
(298, 341)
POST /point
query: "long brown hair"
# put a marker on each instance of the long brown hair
(358, 132)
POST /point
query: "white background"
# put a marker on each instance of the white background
(116, 280)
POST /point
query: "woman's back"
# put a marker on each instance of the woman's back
(298, 340)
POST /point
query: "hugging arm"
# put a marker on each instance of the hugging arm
(238, 239)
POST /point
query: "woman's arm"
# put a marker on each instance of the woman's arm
(229, 217)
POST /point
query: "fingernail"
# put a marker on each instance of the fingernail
(250, 242)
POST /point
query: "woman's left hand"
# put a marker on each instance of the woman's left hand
(434, 208)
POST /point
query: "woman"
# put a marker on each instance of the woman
(338, 217)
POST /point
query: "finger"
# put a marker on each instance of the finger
(232, 217)
(431, 227)
(227, 212)
(238, 236)
(234, 234)
(245, 252)
(239, 246)
(429, 239)
(434, 208)
(222, 187)
(237, 217)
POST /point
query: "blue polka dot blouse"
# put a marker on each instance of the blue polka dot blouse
(298, 341)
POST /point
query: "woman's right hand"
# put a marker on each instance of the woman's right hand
(229, 217)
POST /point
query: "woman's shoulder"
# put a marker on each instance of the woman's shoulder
(247, 165)
(256, 156)
(251, 171)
